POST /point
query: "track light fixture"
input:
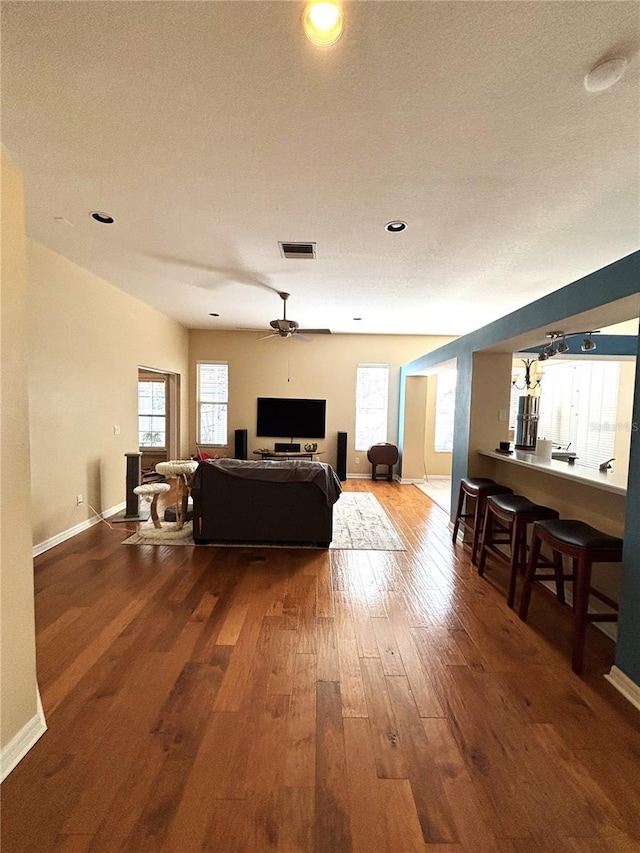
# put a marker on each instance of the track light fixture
(558, 344)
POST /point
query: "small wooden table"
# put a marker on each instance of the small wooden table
(302, 454)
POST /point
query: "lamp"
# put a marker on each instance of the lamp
(323, 22)
(588, 344)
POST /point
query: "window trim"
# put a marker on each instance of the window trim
(200, 403)
(383, 437)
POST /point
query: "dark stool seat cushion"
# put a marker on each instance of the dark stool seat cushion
(580, 535)
(473, 484)
(516, 504)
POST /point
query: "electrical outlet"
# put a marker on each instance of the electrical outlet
(116, 430)
(357, 460)
(79, 500)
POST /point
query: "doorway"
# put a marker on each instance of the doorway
(158, 416)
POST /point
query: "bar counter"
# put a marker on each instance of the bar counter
(611, 481)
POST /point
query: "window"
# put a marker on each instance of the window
(578, 407)
(445, 410)
(152, 413)
(372, 398)
(213, 398)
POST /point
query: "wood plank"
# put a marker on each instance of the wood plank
(328, 668)
(390, 763)
(232, 625)
(351, 687)
(332, 829)
(368, 828)
(403, 826)
(389, 653)
(296, 818)
(300, 763)
(432, 806)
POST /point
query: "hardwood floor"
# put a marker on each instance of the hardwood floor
(247, 699)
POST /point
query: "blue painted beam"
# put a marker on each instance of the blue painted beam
(612, 283)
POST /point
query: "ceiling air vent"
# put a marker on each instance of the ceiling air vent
(301, 251)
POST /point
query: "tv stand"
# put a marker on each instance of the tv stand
(277, 454)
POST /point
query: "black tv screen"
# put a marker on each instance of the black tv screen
(286, 417)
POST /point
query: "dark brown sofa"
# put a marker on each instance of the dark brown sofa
(288, 503)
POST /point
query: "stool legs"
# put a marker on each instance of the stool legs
(581, 578)
(479, 520)
(582, 584)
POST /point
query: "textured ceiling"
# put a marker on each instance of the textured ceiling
(212, 130)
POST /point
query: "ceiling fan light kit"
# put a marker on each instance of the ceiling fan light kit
(287, 328)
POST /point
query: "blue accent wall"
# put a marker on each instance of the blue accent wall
(619, 280)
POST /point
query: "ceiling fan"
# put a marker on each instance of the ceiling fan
(287, 328)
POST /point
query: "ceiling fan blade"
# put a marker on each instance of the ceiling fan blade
(264, 337)
(314, 331)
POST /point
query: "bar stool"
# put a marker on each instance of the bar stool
(475, 488)
(585, 545)
(505, 523)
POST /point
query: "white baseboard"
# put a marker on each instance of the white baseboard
(41, 547)
(21, 743)
(623, 684)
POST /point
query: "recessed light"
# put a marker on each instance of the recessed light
(395, 226)
(323, 23)
(102, 217)
(214, 315)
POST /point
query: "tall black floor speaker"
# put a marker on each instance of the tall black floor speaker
(341, 461)
(240, 444)
(134, 477)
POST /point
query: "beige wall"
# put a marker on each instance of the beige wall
(490, 394)
(324, 367)
(18, 661)
(86, 341)
(419, 457)
(415, 417)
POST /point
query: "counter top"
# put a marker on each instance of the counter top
(611, 481)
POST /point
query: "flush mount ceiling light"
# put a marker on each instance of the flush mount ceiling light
(104, 218)
(323, 23)
(605, 74)
(395, 227)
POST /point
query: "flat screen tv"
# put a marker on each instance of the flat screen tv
(287, 417)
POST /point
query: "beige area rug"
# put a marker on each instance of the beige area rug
(359, 523)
